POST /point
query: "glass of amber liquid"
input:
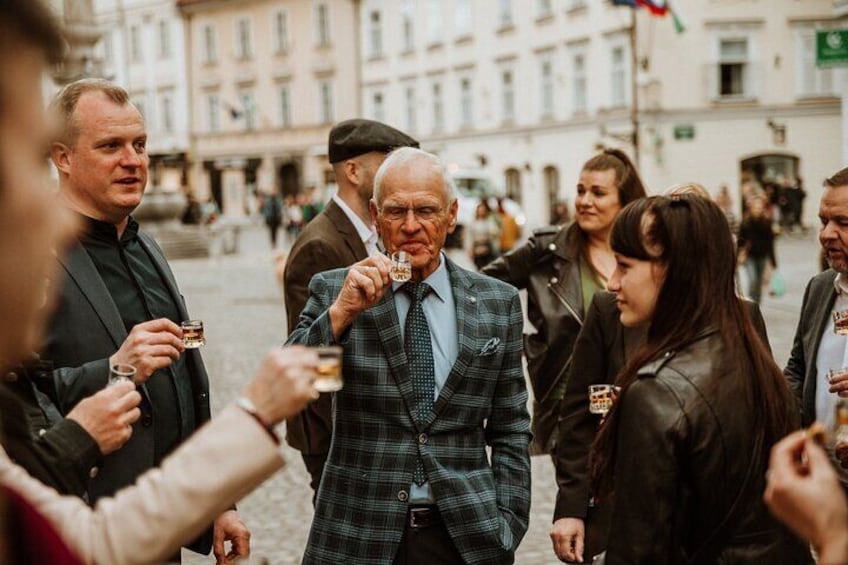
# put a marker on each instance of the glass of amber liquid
(840, 322)
(401, 267)
(601, 399)
(329, 369)
(193, 334)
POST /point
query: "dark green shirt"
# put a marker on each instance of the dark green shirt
(141, 294)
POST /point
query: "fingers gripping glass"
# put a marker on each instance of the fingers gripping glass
(421, 213)
(121, 373)
(401, 267)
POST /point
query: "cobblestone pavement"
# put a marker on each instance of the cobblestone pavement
(241, 304)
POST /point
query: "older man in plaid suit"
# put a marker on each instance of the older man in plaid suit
(432, 377)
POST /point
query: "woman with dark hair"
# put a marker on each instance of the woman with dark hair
(562, 267)
(685, 447)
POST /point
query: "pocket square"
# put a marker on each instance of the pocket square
(490, 347)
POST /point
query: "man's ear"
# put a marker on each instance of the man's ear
(352, 172)
(61, 156)
(372, 207)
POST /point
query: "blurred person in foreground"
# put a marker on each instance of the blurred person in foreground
(433, 380)
(168, 506)
(600, 352)
(685, 447)
(562, 267)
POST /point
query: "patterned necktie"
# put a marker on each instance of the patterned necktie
(419, 355)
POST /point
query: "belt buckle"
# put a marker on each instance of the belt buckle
(420, 517)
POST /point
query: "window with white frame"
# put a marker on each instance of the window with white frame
(546, 86)
(166, 111)
(376, 33)
(210, 44)
(285, 106)
(135, 44)
(507, 95)
(434, 22)
(733, 68)
(378, 107)
(322, 23)
(810, 80)
(213, 112)
(579, 82)
(505, 13)
(244, 39)
(618, 76)
(411, 115)
(466, 103)
(407, 12)
(463, 18)
(164, 39)
(438, 107)
(326, 97)
(248, 104)
(281, 31)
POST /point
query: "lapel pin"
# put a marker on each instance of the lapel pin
(472, 300)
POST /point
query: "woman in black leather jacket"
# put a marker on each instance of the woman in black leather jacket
(561, 268)
(686, 446)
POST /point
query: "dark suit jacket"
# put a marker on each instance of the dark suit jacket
(600, 352)
(329, 241)
(85, 330)
(363, 499)
(800, 370)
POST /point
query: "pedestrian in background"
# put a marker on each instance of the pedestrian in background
(685, 447)
(272, 213)
(483, 236)
(510, 230)
(756, 244)
(562, 267)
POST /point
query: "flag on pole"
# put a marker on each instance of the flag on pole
(630, 3)
(656, 7)
(679, 26)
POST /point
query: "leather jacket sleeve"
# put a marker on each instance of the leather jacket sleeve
(515, 267)
(647, 480)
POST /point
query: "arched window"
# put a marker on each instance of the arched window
(512, 178)
(551, 178)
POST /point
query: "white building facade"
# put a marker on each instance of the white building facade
(528, 90)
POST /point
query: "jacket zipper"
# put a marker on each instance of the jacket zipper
(568, 306)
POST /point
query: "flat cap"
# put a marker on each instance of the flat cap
(357, 137)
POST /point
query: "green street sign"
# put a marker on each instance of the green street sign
(684, 131)
(832, 48)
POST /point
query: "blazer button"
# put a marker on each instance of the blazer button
(554, 280)
(403, 496)
(147, 420)
(11, 376)
(93, 472)
(42, 432)
(552, 246)
(423, 439)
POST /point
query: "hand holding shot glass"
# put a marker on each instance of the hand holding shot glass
(329, 369)
(837, 380)
(121, 372)
(193, 336)
(401, 267)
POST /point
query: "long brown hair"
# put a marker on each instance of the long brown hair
(689, 236)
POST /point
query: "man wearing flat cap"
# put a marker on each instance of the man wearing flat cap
(338, 237)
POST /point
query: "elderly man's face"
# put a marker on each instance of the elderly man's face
(414, 214)
(833, 234)
(106, 166)
(32, 225)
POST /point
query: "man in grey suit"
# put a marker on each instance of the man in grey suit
(339, 236)
(433, 377)
(118, 300)
(818, 348)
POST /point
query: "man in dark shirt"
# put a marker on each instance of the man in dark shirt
(118, 300)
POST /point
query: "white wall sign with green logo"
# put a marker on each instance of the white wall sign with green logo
(832, 48)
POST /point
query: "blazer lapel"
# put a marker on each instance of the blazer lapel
(467, 329)
(82, 271)
(384, 315)
(165, 273)
(818, 325)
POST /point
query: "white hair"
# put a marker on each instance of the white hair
(403, 155)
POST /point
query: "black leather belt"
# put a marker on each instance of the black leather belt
(423, 516)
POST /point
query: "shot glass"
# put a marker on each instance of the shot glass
(840, 322)
(401, 267)
(601, 398)
(193, 334)
(329, 369)
(121, 372)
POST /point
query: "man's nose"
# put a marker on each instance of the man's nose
(130, 158)
(410, 222)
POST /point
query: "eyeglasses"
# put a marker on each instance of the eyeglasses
(421, 213)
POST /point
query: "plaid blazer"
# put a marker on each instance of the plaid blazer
(363, 498)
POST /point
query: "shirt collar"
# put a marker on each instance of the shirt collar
(99, 230)
(439, 280)
(366, 233)
(840, 284)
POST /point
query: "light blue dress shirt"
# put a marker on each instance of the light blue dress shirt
(440, 311)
